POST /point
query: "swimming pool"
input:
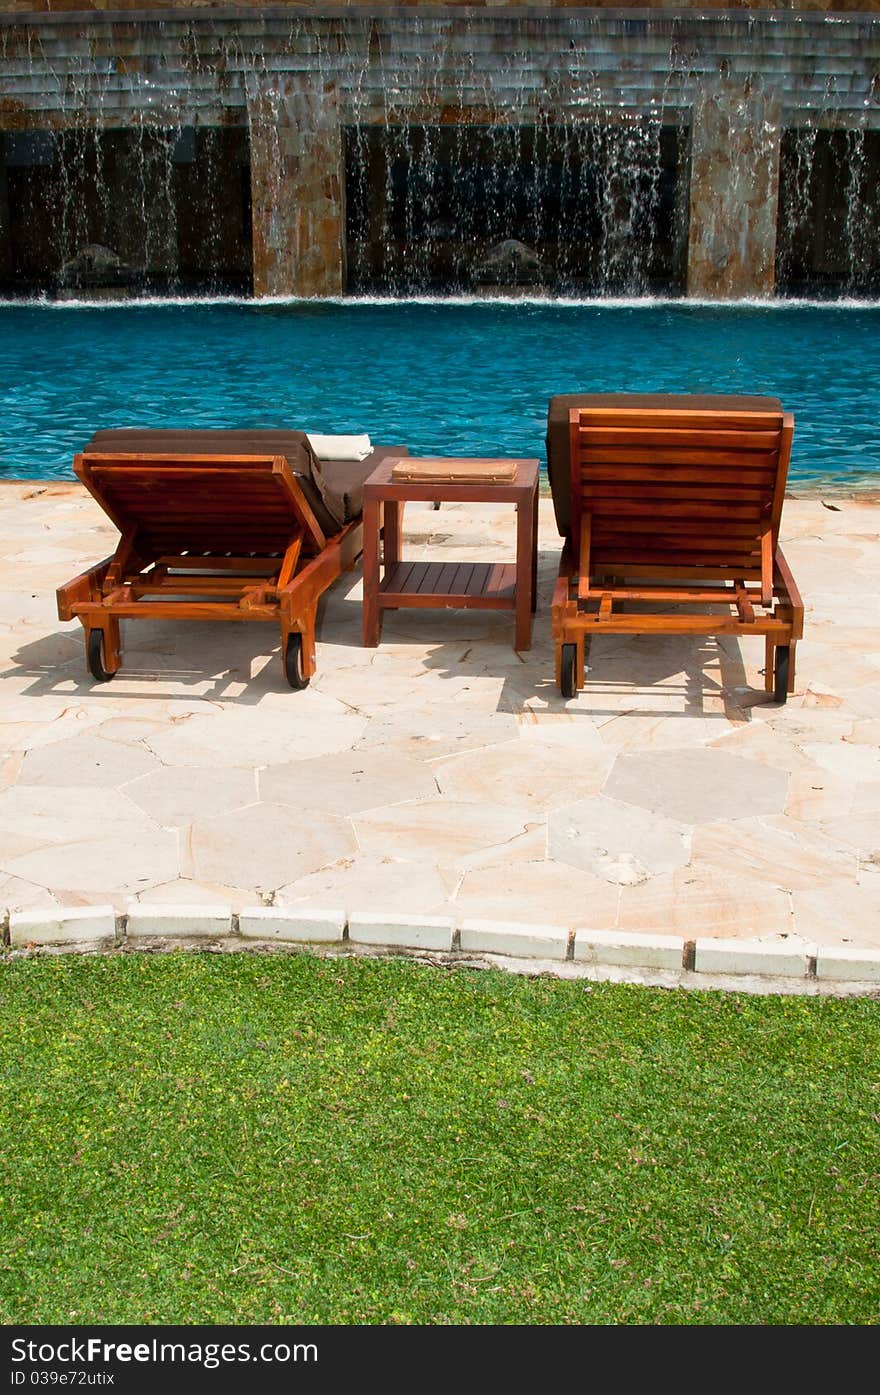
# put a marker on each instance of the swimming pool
(443, 377)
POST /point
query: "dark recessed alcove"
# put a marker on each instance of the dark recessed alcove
(170, 207)
(828, 227)
(602, 208)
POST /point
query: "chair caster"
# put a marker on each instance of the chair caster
(95, 657)
(568, 671)
(780, 673)
(293, 661)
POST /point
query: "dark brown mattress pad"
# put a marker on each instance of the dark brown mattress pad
(334, 489)
(558, 456)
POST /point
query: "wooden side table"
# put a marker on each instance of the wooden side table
(449, 585)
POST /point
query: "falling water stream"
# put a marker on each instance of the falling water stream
(457, 150)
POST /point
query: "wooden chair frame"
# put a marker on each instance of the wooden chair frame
(714, 481)
(191, 548)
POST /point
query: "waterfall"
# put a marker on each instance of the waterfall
(829, 200)
(471, 151)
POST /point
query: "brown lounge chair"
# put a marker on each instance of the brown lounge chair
(216, 525)
(670, 508)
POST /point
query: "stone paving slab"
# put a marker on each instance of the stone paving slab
(440, 780)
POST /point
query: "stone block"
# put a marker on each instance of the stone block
(297, 924)
(841, 962)
(407, 931)
(751, 957)
(520, 941)
(211, 922)
(73, 925)
(644, 951)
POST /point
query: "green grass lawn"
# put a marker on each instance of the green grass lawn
(240, 1138)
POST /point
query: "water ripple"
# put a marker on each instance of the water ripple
(455, 377)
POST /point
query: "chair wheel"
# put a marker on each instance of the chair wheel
(568, 671)
(780, 673)
(95, 657)
(293, 661)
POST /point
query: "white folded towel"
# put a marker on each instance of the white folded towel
(340, 447)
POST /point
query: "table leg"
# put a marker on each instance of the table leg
(372, 615)
(525, 534)
(391, 531)
(535, 550)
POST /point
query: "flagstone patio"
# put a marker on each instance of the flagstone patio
(442, 773)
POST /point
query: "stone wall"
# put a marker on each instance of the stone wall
(315, 7)
(296, 76)
(734, 186)
(296, 187)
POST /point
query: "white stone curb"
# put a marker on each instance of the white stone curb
(752, 957)
(636, 951)
(840, 962)
(211, 921)
(521, 941)
(297, 924)
(405, 931)
(319, 925)
(76, 925)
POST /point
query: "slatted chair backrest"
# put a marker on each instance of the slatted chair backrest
(202, 504)
(677, 491)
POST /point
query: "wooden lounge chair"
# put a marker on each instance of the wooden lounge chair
(224, 535)
(671, 525)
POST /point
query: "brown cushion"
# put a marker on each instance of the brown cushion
(558, 453)
(206, 441)
(341, 482)
(333, 489)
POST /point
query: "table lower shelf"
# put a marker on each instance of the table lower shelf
(478, 585)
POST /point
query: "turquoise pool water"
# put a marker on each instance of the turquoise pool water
(441, 377)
